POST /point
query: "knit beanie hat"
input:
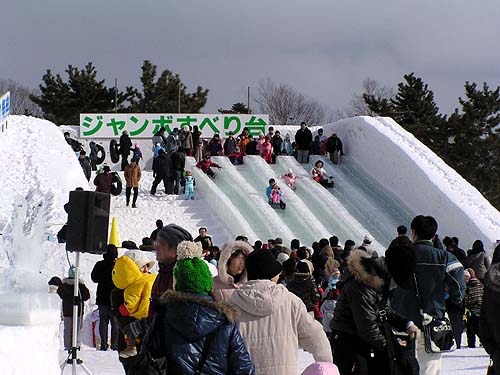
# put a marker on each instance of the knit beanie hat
(368, 239)
(401, 264)
(261, 265)
(174, 234)
(191, 273)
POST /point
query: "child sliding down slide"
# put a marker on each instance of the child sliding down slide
(274, 193)
(290, 179)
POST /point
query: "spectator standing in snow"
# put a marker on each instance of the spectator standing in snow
(358, 336)
(453, 248)
(195, 334)
(318, 143)
(473, 300)
(214, 147)
(436, 271)
(65, 291)
(277, 143)
(178, 164)
(303, 138)
(303, 286)
(171, 144)
(162, 171)
(478, 260)
(137, 153)
(85, 164)
(266, 150)
(335, 148)
(186, 140)
(159, 138)
(125, 146)
(230, 144)
(75, 145)
(197, 143)
(132, 177)
(273, 321)
(101, 274)
(231, 269)
(286, 147)
(159, 225)
(189, 186)
(204, 238)
(489, 324)
(251, 146)
(104, 180)
(402, 239)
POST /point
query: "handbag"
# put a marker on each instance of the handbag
(438, 334)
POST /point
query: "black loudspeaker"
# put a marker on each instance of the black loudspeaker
(88, 220)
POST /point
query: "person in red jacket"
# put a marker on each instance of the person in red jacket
(205, 165)
(104, 180)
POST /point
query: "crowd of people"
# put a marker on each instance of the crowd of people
(247, 308)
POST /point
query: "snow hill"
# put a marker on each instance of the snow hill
(386, 178)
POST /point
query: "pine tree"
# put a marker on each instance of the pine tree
(62, 102)
(476, 139)
(162, 96)
(236, 108)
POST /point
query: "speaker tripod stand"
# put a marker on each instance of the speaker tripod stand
(73, 352)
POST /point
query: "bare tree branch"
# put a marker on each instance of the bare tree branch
(21, 103)
(358, 107)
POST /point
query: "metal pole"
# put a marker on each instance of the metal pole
(116, 94)
(179, 99)
(248, 100)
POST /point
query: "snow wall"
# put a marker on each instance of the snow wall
(409, 169)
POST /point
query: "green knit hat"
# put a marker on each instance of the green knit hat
(191, 273)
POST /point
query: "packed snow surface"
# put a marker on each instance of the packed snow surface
(386, 178)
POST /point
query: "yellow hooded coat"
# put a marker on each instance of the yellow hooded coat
(137, 286)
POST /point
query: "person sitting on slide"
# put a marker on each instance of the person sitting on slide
(290, 179)
(274, 193)
(205, 165)
(319, 175)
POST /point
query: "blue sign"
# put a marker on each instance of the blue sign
(4, 107)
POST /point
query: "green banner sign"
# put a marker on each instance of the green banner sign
(145, 125)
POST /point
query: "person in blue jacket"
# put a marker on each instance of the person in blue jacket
(192, 332)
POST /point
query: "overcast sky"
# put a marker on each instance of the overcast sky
(322, 48)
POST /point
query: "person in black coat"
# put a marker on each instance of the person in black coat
(159, 225)
(358, 335)
(85, 164)
(178, 164)
(335, 148)
(303, 286)
(125, 147)
(489, 324)
(192, 332)
(65, 292)
(303, 138)
(162, 171)
(101, 274)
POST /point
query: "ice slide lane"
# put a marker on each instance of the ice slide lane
(324, 204)
(220, 203)
(366, 200)
(263, 219)
(297, 216)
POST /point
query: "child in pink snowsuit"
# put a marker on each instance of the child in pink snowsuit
(289, 179)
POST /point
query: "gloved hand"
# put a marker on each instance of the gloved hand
(123, 310)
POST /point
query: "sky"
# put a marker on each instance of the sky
(322, 48)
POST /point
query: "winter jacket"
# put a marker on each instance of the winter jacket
(125, 145)
(266, 150)
(86, 166)
(436, 271)
(137, 153)
(184, 325)
(402, 240)
(460, 255)
(171, 143)
(164, 281)
(196, 138)
(303, 137)
(474, 296)
(318, 174)
(137, 286)
(178, 160)
(489, 324)
(186, 139)
(66, 290)
(214, 147)
(230, 146)
(205, 165)
(274, 323)
(224, 284)
(159, 138)
(287, 147)
(478, 261)
(132, 174)
(334, 144)
(251, 148)
(101, 274)
(276, 142)
(362, 297)
(304, 287)
(103, 182)
(162, 166)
